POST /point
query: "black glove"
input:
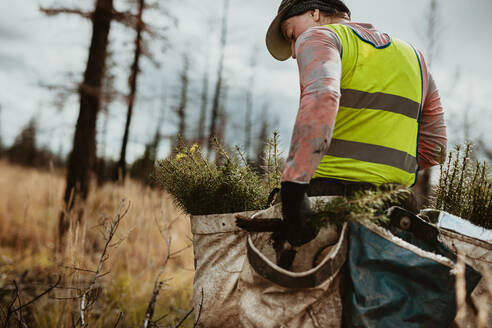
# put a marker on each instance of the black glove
(296, 209)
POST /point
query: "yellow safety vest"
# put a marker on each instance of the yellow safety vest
(376, 133)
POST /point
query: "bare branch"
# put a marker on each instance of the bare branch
(173, 254)
(39, 296)
(118, 321)
(9, 308)
(158, 282)
(62, 10)
(161, 318)
(126, 18)
(69, 288)
(184, 318)
(17, 290)
(77, 269)
(63, 298)
(111, 231)
(191, 311)
(199, 310)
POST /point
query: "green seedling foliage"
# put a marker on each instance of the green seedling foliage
(464, 188)
(201, 187)
(369, 205)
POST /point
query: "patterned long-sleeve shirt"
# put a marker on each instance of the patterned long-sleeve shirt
(318, 52)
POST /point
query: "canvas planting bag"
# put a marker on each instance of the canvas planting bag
(477, 254)
(238, 284)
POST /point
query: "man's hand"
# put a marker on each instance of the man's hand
(298, 228)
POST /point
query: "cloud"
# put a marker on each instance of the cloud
(7, 33)
(10, 62)
(42, 48)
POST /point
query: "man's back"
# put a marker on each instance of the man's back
(374, 74)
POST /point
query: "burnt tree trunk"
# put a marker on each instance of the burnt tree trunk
(223, 116)
(183, 99)
(203, 108)
(262, 137)
(84, 143)
(132, 82)
(218, 85)
(248, 119)
(248, 122)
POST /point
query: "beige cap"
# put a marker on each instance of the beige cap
(278, 46)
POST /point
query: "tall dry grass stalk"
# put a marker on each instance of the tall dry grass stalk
(30, 202)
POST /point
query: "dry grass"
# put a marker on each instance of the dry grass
(30, 202)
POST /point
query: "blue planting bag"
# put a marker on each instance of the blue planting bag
(401, 277)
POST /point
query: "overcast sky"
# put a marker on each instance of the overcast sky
(36, 50)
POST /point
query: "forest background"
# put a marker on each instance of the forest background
(175, 68)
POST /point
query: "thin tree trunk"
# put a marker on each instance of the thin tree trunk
(132, 81)
(218, 86)
(262, 137)
(223, 116)
(101, 169)
(160, 123)
(183, 100)
(248, 120)
(203, 108)
(248, 124)
(84, 143)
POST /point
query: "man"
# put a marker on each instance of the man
(370, 113)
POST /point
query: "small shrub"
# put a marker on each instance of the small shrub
(464, 188)
(369, 205)
(201, 187)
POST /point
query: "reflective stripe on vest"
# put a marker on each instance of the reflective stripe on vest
(376, 132)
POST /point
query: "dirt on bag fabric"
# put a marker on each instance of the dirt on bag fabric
(238, 284)
(477, 254)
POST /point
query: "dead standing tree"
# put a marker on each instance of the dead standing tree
(83, 151)
(223, 116)
(143, 168)
(248, 122)
(200, 136)
(132, 83)
(141, 49)
(262, 137)
(180, 110)
(84, 143)
(218, 85)
(109, 93)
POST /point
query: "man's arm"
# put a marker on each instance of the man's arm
(433, 138)
(320, 69)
